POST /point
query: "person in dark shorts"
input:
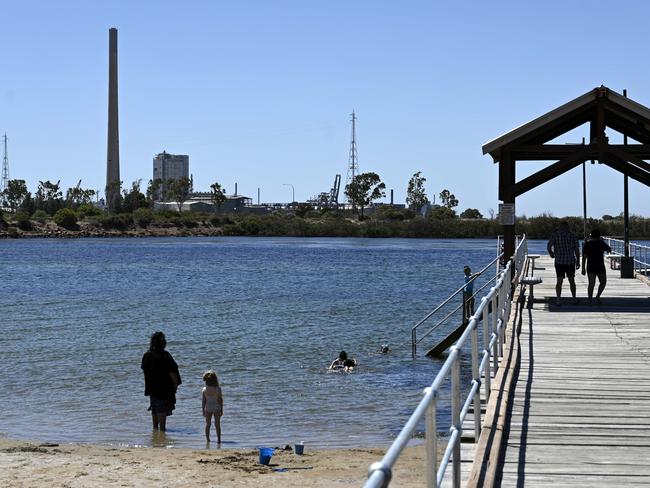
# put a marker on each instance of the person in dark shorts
(563, 247)
(593, 254)
(161, 379)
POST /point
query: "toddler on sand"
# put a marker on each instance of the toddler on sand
(212, 404)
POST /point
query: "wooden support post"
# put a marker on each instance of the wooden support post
(507, 196)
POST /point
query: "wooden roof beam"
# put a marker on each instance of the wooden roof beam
(552, 171)
(547, 152)
(625, 167)
(622, 153)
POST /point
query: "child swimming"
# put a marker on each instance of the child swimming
(212, 404)
(342, 362)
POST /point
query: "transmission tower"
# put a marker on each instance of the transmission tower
(5, 166)
(353, 164)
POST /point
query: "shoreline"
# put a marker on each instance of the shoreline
(43, 465)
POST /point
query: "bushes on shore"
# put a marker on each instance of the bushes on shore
(66, 218)
(387, 221)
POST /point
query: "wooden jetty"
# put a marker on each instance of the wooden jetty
(576, 407)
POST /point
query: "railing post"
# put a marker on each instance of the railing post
(413, 343)
(486, 348)
(455, 417)
(500, 314)
(432, 443)
(495, 317)
(477, 377)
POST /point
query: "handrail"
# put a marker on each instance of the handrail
(494, 320)
(415, 340)
(638, 252)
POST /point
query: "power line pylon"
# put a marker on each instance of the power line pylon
(5, 166)
(353, 163)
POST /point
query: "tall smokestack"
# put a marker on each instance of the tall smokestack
(113, 148)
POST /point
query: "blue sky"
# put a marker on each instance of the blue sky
(260, 92)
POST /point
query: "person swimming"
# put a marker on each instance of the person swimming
(343, 362)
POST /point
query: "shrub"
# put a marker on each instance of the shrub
(66, 218)
(189, 221)
(250, 225)
(116, 221)
(302, 209)
(389, 212)
(88, 210)
(22, 220)
(40, 216)
(143, 217)
(442, 213)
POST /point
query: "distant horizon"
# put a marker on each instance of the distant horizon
(260, 95)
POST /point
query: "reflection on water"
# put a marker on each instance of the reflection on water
(267, 314)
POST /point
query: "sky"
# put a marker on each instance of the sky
(260, 93)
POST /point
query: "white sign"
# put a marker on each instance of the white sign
(507, 213)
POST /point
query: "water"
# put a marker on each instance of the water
(268, 314)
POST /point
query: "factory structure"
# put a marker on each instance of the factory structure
(168, 167)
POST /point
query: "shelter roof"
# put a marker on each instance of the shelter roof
(620, 113)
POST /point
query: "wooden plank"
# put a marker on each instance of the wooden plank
(581, 407)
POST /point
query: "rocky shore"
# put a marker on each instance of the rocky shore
(51, 230)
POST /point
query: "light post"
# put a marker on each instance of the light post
(293, 192)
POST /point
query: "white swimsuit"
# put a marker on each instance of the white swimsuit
(212, 404)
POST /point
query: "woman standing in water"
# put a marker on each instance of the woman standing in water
(161, 378)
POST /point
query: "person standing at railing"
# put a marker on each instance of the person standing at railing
(593, 255)
(564, 248)
(468, 293)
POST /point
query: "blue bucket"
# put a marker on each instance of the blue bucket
(265, 454)
(299, 448)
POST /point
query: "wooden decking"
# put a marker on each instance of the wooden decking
(580, 415)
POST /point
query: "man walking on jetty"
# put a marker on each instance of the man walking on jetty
(563, 246)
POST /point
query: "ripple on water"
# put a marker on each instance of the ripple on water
(267, 314)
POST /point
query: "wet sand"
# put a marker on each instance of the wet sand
(38, 465)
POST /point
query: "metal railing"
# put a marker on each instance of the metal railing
(451, 314)
(640, 253)
(493, 314)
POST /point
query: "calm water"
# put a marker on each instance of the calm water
(267, 313)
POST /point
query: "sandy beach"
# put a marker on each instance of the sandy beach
(40, 465)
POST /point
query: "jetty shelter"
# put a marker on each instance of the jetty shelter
(600, 108)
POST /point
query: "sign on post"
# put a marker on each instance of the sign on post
(507, 213)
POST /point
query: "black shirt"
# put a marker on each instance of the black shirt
(594, 251)
(158, 382)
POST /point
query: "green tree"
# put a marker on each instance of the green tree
(442, 213)
(153, 191)
(133, 199)
(448, 199)
(49, 196)
(471, 213)
(15, 194)
(416, 198)
(76, 196)
(180, 190)
(217, 195)
(363, 190)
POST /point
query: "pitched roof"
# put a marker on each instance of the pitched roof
(621, 113)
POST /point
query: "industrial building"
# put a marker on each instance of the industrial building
(169, 167)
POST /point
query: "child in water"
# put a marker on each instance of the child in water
(212, 404)
(342, 362)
